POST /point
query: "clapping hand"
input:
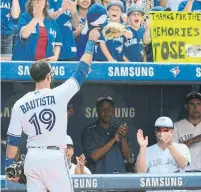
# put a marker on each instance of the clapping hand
(122, 131)
(79, 169)
(143, 142)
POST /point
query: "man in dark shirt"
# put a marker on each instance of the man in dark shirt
(104, 143)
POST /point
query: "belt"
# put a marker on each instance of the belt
(48, 147)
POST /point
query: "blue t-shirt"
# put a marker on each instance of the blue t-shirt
(195, 8)
(133, 48)
(7, 24)
(25, 49)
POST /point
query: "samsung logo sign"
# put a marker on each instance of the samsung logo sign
(130, 71)
(85, 183)
(161, 182)
(24, 70)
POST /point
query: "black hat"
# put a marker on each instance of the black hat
(193, 95)
(105, 98)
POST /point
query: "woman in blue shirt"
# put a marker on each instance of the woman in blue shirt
(39, 36)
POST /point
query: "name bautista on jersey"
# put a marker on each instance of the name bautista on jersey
(161, 182)
(47, 100)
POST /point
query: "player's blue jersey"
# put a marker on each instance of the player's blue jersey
(81, 41)
(25, 49)
(115, 47)
(133, 48)
(7, 24)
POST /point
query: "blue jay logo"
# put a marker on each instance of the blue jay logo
(175, 71)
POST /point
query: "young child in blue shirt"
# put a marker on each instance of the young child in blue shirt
(112, 49)
(134, 48)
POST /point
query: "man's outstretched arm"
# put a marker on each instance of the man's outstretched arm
(86, 60)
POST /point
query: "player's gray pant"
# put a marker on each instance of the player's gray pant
(46, 169)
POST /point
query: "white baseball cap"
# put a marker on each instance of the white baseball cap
(68, 140)
(164, 122)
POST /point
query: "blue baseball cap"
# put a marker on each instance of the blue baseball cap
(135, 7)
(160, 8)
(96, 16)
(117, 3)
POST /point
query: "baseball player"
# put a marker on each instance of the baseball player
(165, 156)
(41, 114)
(80, 167)
(188, 130)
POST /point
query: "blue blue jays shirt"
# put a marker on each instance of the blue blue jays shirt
(7, 24)
(81, 41)
(64, 21)
(68, 50)
(115, 47)
(25, 49)
(133, 48)
(195, 8)
(54, 5)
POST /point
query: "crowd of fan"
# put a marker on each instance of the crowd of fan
(56, 30)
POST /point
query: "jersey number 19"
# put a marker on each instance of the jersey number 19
(46, 116)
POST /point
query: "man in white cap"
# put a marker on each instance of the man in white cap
(80, 168)
(165, 156)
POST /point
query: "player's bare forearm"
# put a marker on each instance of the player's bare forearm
(89, 50)
(141, 161)
(87, 58)
(125, 149)
(100, 152)
(178, 157)
(11, 151)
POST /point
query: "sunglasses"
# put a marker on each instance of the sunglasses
(162, 129)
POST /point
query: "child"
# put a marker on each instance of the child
(133, 48)
(112, 50)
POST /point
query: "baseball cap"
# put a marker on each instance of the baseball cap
(193, 95)
(164, 122)
(68, 140)
(135, 7)
(160, 8)
(105, 98)
(117, 3)
(96, 15)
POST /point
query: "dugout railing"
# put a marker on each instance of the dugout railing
(126, 182)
